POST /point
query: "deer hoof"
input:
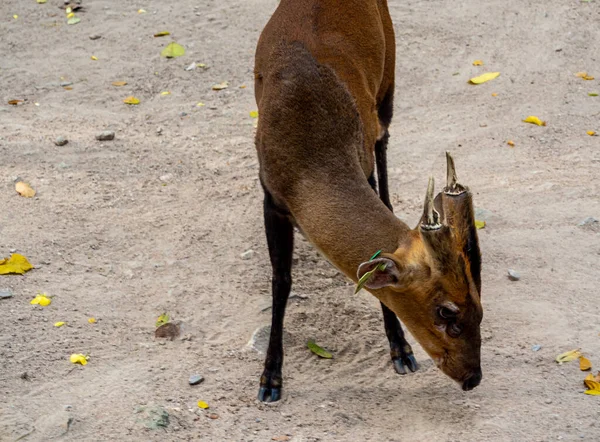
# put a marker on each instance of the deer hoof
(403, 362)
(269, 394)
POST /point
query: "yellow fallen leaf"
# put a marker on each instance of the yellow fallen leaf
(165, 93)
(59, 324)
(141, 11)
(203, 405)
(131, 100)
(24, 189)
(93, 57)
(591, 133)
(494, 94)
(568, 356)
(511, 143)
(41, 1)
(220, 86)
(593, 384)
(78, 358)
(242, 86)
(162, 33)
(41, 299)
(73, 20)
(68, 10)
(70, 15)
(478, 63)
(484, 77)
(16, 264)
(584, 364)
(593, 94)
(119, 83)
(534, 120)
(92, 320)
(173, 50)
(254, 114)
(479, 224)
(15, 16)
(162, 319)
(200, 104)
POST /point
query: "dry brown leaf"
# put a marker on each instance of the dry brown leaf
(511, 143)
(170, 330)
(281, 438)
(24, 189)
(15, 102)
(119, 83)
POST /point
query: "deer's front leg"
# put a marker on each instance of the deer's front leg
(280, 239)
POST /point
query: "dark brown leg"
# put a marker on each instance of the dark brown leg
(400, 350)
(280, 239)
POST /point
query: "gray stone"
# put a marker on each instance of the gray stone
(153, 417)
(191, 67)
(196, 379)
(65, 83)
(248, 254)
(590, 220)
(259, 341)
(107, 135)
(61, 141)
(5, 294)
(513, 275)
(12, 250)
(536, 347)
(95, 36)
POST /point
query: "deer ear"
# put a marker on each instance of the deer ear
(378, 273)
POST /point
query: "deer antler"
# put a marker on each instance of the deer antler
(431, 217)
(452, 185)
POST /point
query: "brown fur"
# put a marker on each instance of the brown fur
(322, 69)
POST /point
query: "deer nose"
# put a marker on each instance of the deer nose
(472, 381)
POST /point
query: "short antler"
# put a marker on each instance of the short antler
(431, 217)
(452, 185)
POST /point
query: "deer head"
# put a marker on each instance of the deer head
(432, 281)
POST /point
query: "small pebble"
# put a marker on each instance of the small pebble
(95, 36)
(191, 67)
(66, 83)
(536, 347)
(12, 250)
(513, 275)
(5, 294)
(166, 177)
(258, 420)
(107, 135)
(196, 379)
(183, 114)
(213, 416)
(61, 141)
(588, 221)
(159, 131)
(68, 407)
(248, 254)
(548, 401)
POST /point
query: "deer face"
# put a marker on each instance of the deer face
(432, 282)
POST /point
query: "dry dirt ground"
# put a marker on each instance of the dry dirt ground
(126, 229)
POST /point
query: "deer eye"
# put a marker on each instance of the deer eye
(447, 313)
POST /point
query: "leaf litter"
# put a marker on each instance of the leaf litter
(16, 264)
(318, 350)
(484, 78)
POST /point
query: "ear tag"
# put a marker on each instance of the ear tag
(364, 278)
(377, 253)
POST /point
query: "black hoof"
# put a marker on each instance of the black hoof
(269, 394)
(405, 361)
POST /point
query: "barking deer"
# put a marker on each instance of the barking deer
(324, 85)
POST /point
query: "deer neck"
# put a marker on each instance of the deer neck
(345, 219)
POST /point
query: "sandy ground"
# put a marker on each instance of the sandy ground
(126, 229)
